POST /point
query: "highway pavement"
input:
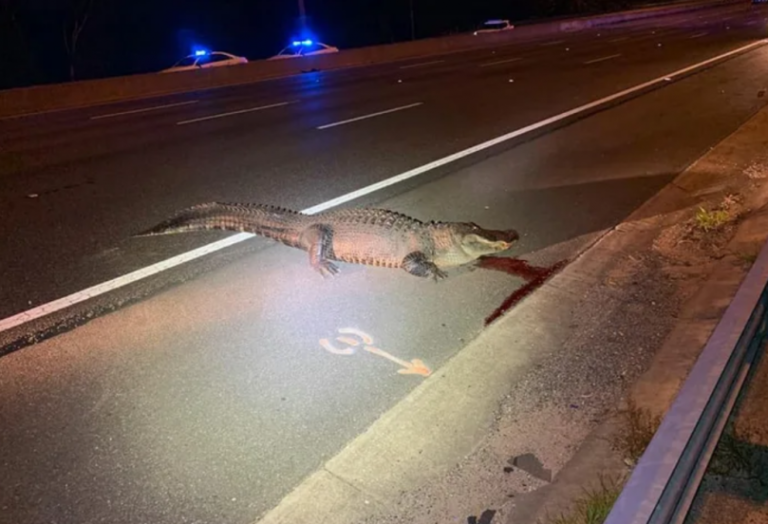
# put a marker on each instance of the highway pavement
(208, 400)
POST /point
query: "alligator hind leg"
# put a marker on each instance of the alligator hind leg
(419, 265)
(318, 241)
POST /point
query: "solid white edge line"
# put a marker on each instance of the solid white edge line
(603, 59)
(421, 64)
(91, 292)
(144, 110)
(387, 111)
(110, 285)
(240, 112)
(497, 62)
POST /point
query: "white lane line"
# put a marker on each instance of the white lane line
(621, 39)
(341, 123)
(497, 62)
(603, 59)
(422, 64)
(240, 112)
(144, 110)
(698, 35)
(111, 285)
(552, 43)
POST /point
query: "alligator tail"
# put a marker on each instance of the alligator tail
(277, 223)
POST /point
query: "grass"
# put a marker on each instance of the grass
(711, 220)
(594, 506)
(735, 456)
(639, 429)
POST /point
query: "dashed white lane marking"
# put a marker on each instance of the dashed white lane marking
(422, 64)
(379, 113)
(91, 292)
(231, 113)
(621, 39)
(603, 59)
(552, 43)
(144, 110)
(497, 62)
(698, 35)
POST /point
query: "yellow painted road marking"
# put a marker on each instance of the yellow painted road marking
(414, 367)
(326, 344)
(348, 341)
(366, 338)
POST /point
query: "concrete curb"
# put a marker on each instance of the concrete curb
(48, 98)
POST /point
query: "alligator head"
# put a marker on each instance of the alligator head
(476, 241)
(459, 243)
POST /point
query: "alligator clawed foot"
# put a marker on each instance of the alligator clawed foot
(439, 274)
(328, 269)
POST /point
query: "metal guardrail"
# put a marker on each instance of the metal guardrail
(667, 476)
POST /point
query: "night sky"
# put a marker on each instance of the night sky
(135, 36)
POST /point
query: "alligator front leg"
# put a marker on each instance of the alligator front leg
(419, 265)
(318, 241)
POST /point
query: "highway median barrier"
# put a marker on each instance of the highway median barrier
(44, 98)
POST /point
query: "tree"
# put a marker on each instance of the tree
(15, 54)
(73, 27)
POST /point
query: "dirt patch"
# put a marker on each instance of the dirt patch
(701, 237)
(757, 171)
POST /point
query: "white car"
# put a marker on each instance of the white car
(301, 48)
(494, 26)
(204, 60)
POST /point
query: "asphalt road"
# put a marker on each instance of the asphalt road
(210, 400)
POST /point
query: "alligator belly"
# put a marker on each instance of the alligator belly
(369, 249)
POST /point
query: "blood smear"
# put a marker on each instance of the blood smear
(536, 276)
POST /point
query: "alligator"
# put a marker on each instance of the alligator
(370, 236)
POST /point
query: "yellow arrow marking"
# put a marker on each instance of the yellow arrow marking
(348, 341)
(330, 348)
(414, 367)
(365, 337)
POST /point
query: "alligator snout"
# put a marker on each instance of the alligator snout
(509, 236)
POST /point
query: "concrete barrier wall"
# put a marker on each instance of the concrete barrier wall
(94, 92)
(638, 14)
